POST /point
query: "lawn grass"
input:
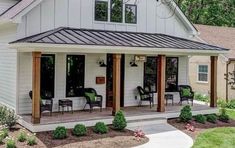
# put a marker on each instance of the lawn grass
(231, 113)
(216, 138)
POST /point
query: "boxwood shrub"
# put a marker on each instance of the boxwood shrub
(60, 133)
(119, 121)
(185, 114)
(200, 119)
(79, 130)
(100, 128)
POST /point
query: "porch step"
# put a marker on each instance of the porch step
(144, 122)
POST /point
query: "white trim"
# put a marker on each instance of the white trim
(42, 47)
(204, 82)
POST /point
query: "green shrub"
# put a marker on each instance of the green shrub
(231, 104)
(119, 121)
(7, 117)
(31, 140)
(211, 118)
(100, 128)
(22, 137)
(10, 143)
(1, 137)
(60, 133)
(80, 130)
(200, 119)
(221, 103)
(200, 97)
(223, 116)
(185, 114)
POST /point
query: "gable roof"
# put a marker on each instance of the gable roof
(16, 9)
(73, 36)
(21, 8)
(220, 36)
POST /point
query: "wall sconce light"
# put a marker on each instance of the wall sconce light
(133, 64)
(101, 63)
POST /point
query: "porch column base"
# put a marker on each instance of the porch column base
(161, 67)
(35, 120)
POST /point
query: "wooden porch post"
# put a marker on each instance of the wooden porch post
(36, 87)
(116, 82)
(161, 68)
(213, 81)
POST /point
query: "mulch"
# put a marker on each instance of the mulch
(199, 126)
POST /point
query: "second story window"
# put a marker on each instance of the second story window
(101, 10)
(116, 11)
(131, 14)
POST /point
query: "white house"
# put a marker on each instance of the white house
(61, 47)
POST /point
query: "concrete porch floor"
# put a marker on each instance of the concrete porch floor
(69, 119)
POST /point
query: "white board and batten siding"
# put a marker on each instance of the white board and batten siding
(152, 17)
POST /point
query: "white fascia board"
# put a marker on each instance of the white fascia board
(183, 18)
(29, 47)
(18, 17)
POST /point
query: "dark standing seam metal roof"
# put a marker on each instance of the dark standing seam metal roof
(74, 36)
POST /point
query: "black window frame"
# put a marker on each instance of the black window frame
(132, 5)
(177, 74)
(107, 11)
(83, 77)
(111, 3)
(41, 80)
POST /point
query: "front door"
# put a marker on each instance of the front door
(109, 84)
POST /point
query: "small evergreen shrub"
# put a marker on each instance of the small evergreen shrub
(1, 137)
(119, 122)
(22, 137)
(200, 119)
(60, 133)
(10, 143)
(79, 130)
(31, 140)
(223, 116)
(185, 114)
(211, 118)
(100, 128)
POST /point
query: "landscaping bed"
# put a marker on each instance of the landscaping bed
(199, 127)
(111, 139)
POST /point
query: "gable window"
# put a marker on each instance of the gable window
(116, 11)
(150, 73)
(75, 75)
(101, 10)
(47, 76)
(131, 14)
(203, 73)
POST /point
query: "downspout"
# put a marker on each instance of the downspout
(228, 62)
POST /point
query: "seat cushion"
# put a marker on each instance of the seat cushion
(186, 92)
(92, 96)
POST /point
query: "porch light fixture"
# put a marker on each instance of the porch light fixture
(101, 63)
(133, 64)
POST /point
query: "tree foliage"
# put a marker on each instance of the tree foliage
(209, 12)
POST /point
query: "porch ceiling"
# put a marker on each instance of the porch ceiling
(100, 41)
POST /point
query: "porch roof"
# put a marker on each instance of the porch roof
(83, 37)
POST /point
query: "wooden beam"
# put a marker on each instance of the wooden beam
(161, 68)
(36, 75)
(116, 82)
(213, 81)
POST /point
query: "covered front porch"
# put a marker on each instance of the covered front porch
(90, 46)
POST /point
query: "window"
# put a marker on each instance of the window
(150, 73)
(203, 73)
(171, 74)
(116, 11)
(130, 14)
(101, 10)
(75, 75)
(47, 76)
